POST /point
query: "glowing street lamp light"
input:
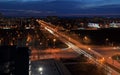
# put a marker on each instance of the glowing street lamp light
(0, 41)
(40, 69)
(54, 40)
(89, 48)
(102, 60)
(86, 40)
(106, 40)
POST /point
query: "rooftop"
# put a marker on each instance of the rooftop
(48, 67)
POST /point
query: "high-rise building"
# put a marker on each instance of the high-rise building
(14, 60)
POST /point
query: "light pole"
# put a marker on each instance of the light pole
(54, 41)
(39, 51)
(111, 60)
(0, 41)
(86, 40)
(106, 40)
(40, 69)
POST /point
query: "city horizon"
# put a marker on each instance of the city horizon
(59, 37)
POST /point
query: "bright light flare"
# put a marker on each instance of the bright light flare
(102, 60)
(89, 48)
(40, 69)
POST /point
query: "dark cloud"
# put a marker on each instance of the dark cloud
(59, 7)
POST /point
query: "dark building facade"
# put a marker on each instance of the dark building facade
(14, 60)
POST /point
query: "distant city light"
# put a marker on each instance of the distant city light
(94, 25)
(89, 48)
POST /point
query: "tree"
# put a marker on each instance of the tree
(0, 14)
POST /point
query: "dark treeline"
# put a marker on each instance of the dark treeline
(102, 36)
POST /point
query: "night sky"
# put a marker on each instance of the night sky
(59, 7)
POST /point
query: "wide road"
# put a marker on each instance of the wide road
(108, 52)
(76, 46)
(52, 54)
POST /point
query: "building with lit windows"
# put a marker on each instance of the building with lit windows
(48, 67)
(93, 25)
(14, 60)
(114, 25)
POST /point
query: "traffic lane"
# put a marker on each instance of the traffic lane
(107, 52)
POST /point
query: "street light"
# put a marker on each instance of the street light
(111, 60)
(39, 51)
(89, 48)
(54, 40)
(40, 69)
(86, 40)
(106, 40)
(0, 41)
(102, 60)
(11, 43)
